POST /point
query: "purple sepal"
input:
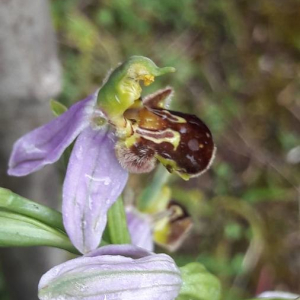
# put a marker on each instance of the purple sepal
(110, 277)
(139, 226)
(46, 144)
(93, 182)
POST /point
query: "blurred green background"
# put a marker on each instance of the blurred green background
(238, 69)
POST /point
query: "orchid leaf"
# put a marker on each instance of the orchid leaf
(117, 224)
(21, 231)
(19, 205)
(198, 284)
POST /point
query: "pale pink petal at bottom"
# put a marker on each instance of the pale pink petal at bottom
(113, 275)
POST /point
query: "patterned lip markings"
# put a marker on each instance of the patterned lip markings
(181, 142)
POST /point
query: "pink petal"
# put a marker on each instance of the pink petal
(93, 182)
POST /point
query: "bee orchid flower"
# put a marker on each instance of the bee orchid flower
(167, 225)
(94, 177)
(116, 132)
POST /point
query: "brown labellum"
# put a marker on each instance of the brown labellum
(181, 142)
(195, 150)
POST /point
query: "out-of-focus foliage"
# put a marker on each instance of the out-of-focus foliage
(193, 274)
(238, 69)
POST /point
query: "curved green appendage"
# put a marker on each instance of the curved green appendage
(122, 87)
(57, 108)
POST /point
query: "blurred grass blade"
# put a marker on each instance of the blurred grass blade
(152, 191)
(117, 224)
(57, 108)
(21, 231)
(17, 204)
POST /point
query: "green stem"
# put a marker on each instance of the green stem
(117, 224)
